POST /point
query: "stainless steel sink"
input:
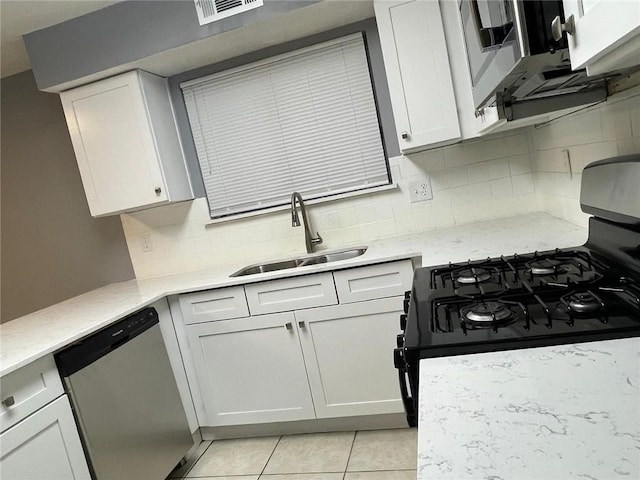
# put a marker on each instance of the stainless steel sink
(334, 256)
(326, 257)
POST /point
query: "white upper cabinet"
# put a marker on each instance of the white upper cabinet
(606, 36)
(428, 74)
(126, 142)
(418, 71)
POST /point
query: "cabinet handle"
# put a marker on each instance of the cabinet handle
(404, 135)
(557, 27)
(288, 326)
(302, 324)
(9, 401)
(158, 190)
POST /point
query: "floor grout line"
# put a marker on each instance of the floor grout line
(186, 474)
(271, 455)
(355, 434)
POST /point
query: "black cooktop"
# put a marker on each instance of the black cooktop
(520, 301)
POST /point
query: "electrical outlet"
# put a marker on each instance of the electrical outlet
(420, 190)
(147, 246)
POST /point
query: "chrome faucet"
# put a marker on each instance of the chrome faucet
(309, 240)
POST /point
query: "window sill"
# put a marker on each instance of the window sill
(281, 208)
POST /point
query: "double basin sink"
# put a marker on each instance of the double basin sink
(326, 257)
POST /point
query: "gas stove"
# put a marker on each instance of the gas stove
(581, 294)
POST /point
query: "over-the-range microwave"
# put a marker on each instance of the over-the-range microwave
(515, 63)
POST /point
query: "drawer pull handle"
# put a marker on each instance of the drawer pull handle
(288, 326)
(302, 325)
(9, 401)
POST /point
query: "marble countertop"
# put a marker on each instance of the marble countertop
(28, 338)
(561, 412)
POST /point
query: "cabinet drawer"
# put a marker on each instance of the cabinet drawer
(212, 305)
(291, 294)
(374, 281)
(28, 389)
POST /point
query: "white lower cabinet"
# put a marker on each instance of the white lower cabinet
(318, 360)
(251, 370)
(348, 353)
(44, 446)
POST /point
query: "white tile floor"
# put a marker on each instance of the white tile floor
(362, 455)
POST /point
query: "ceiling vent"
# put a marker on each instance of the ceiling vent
(212, 10)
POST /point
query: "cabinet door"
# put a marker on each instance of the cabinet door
(348, 350)
(251, 370)
(44, 446)
(114, 145)
(607, 34)
(417, 66)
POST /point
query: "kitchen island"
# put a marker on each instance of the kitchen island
(559, 412)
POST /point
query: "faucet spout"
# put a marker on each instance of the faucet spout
(309, 239)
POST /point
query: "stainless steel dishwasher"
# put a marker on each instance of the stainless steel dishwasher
(125, 400)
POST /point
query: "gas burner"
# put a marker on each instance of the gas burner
(471, 275)
(545, 267)
(583, 303)
(489, 313)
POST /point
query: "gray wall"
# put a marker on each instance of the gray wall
(379, 80)
(126, 32)
(51, 247)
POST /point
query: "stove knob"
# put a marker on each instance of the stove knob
(405, 305)
(403, 322)
(398, 359)
(407, 294)
(400, 340)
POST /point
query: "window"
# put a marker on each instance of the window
(305, 121)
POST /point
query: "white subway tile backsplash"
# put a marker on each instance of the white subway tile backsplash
(552, 160)
(463, 214)
(375, 212)
(501, 188)
(634, 107)
(406, 224)
(627, 146)
(455, 155)
(481, 191)
(523, 184)
(382, 229)
(433, 160)
(457, 177)
(342, 236)
(498, 169)
(442, 218)
(439, 181)
(478, 172)
(575, 129)
(616, 121)
(412, 167)
(516, 144)
(511, 173)
(583, 155)
(461, 196)
(520, 164)
(464, 153)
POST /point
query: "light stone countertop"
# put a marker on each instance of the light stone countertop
(561, 412)
(28, 338)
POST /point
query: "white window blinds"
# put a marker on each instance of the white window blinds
(305, 121)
